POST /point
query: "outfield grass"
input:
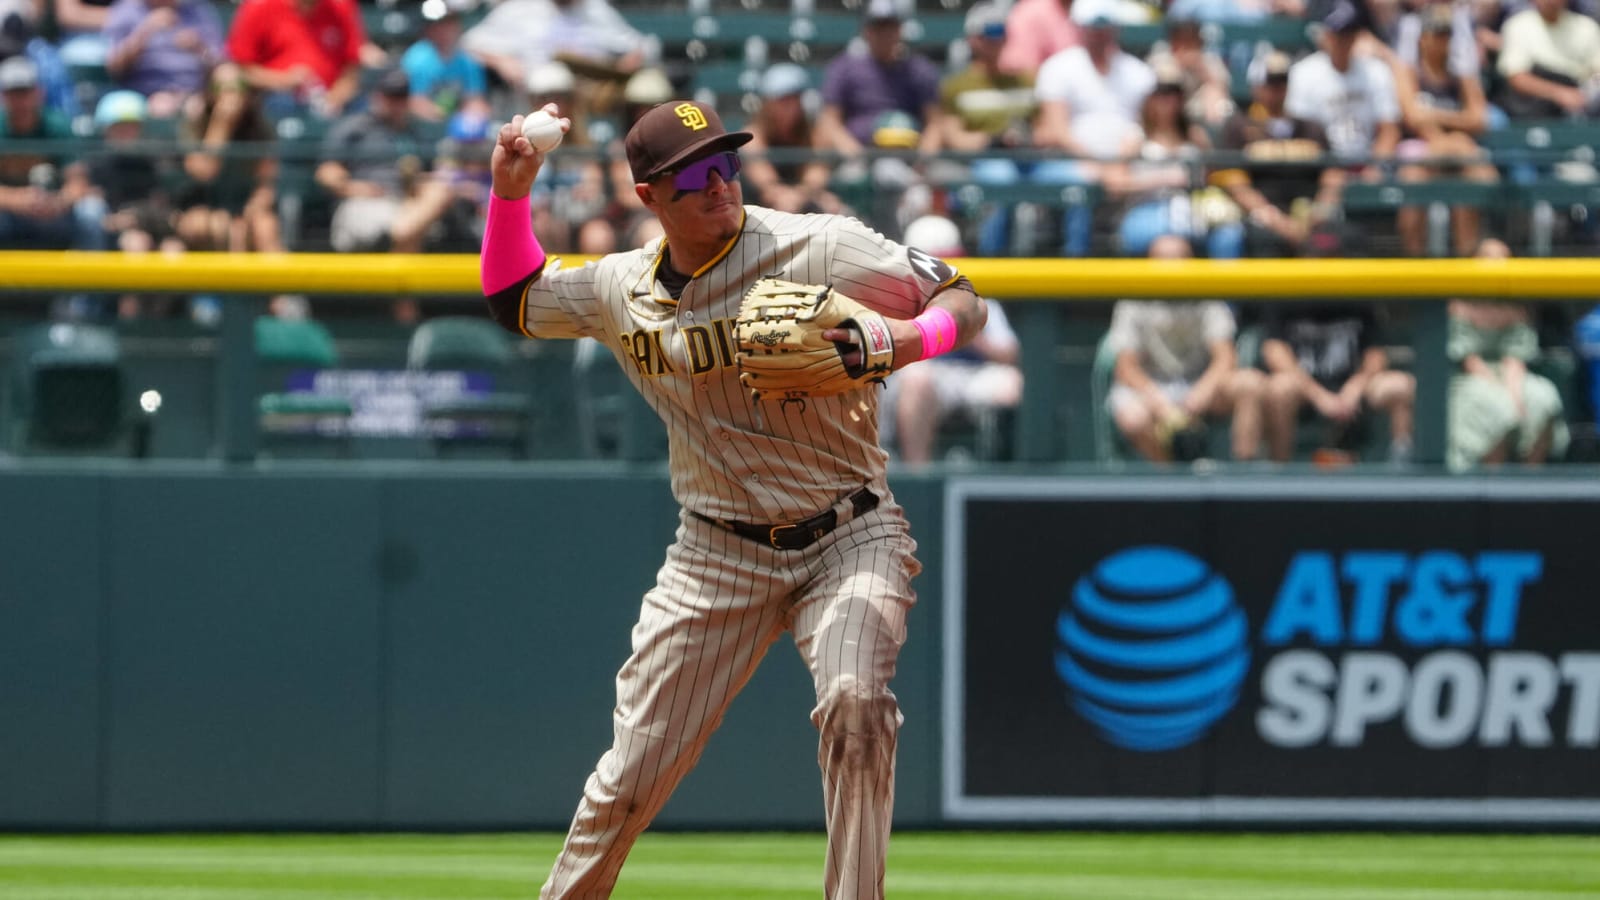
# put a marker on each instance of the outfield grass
(1045, 866)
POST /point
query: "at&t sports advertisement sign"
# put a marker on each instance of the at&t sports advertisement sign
(1172, 650)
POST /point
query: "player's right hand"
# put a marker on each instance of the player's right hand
(515, 163)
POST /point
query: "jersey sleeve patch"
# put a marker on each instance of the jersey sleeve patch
(931, 269)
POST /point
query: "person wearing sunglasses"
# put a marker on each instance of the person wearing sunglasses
(786, 521)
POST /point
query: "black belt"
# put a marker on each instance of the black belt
(802, 534)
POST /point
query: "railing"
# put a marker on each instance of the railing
(1047, 286)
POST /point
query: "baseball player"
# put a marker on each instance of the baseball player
(787, 522)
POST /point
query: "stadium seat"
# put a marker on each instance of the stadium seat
(66, 391)
(610, 413)
(1364, 198)
(394, 27)
(1542, 198)
(296, 422)
(1108, 445)
(494, 419)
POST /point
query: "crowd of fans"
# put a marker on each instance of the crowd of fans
(265, 125)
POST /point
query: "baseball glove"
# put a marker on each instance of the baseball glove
(782, 352)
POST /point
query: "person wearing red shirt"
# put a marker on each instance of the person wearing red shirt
(305, 47)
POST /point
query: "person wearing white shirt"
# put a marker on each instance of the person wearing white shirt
(1089, 99)
(1352, 97)
(1089, 96)
(1550, 57)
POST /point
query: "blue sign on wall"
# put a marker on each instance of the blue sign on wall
(1173, 650)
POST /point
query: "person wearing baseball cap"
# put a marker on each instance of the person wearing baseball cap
(985, 106)
(1352, 95)
(1277, 199)
(859, 88)
(46, 220)
(787, 521)
(673, 137)
(793, 179)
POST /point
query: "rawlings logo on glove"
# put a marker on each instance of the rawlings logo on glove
(782, 351)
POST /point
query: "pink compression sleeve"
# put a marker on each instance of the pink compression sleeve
(510, 250)
(938, 329)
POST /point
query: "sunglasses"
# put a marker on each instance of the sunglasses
(696, 175)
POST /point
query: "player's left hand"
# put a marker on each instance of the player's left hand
(803, 340)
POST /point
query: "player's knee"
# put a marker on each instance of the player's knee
(850, 706)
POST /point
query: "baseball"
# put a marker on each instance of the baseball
(542, 130)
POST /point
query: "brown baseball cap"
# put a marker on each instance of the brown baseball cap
(676, 132)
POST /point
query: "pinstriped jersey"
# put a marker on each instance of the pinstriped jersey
(733, 457)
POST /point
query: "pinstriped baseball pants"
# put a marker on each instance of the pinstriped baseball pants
(719, 602)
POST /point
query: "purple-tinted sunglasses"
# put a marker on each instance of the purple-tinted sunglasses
(696, 175)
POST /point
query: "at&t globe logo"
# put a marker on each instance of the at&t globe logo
(1153, 648)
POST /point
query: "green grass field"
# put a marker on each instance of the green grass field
(1045, 866)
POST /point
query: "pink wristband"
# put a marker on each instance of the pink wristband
(510, 250)
(938, 330)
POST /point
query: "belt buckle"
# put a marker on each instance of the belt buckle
(772, 535)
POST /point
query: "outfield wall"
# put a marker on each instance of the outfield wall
(325, 646)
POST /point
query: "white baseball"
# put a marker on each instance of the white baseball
(542, 130)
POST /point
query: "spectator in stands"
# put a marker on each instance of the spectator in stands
(1329, 358)
(139, 212)
(1207, 86)
(20, 36)
(796, 182)
(985, 107)
(1281, 201)
(975, 381)
(1090, 96)
(445, 79)
(1089, 102)
(1350, 95)
(230, 202)
(1550, 57)
(859, 89)
(589, 36)
(79, 27)
(1443, 114)
(302, 51)
(1176, 366)
(387, 200)
(1161, 184)
(1464, 59)
(164, 49)
(1035, 31)
(46, 202)
(1223, 12)
(553, 82)
(573, 189)
(645, 89)
(462, 162)
(1499, 411)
